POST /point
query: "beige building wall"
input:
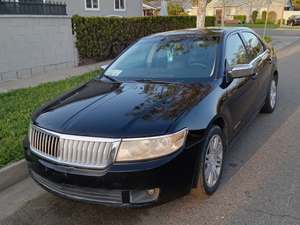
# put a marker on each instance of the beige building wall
(243, 9)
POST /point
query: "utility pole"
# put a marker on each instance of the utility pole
(267, 17)
(282, 13)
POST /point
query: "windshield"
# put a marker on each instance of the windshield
(167, 58)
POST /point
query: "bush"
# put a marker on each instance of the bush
(102, 38)
(268, 39)
(259, 21)
(279, 21)
(210, 21)
(241, 18)
(254, 16)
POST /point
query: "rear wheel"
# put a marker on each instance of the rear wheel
(271, 100)
(211, 161)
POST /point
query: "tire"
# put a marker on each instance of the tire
(205, 185)
(271, 100)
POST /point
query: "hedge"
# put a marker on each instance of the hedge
(102, 38)
(210, 21)
(241, 18)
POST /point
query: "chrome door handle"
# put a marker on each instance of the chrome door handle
(254, 76)
(270, 60)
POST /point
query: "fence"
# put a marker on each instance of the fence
(32, 8)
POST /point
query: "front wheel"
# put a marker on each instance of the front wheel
(211, 161)
(271, 100)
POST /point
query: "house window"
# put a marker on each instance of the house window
(92, 4)
(120, 5)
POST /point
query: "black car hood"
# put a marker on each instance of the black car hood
(130, 109)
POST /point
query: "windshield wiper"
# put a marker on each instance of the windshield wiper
(110, 78)
(154, 81)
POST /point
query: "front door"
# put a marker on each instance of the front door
(219, 16)
(240, 91)
(261, 58)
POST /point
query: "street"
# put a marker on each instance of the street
(260, 185)
(280, 38)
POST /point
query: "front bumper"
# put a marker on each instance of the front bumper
(172, 175)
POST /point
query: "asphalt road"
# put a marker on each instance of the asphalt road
(280, 32)
(261, 183)
(281, 37)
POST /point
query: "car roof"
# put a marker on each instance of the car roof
(209, 31)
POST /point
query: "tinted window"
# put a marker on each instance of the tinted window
(167, 58)
(253, 44)
(235, 51)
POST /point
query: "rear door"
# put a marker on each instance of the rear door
(239, 91)
(260, 56)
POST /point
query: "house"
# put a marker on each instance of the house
(245, 7)
(152, 8)
(118, 8)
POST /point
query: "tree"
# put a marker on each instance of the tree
(254, 16)
(296, 4)
(175, 10)
(264, 15)
(201, 12)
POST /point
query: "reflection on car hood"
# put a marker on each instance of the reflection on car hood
(132, 109)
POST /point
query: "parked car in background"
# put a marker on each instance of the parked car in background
(293, 20)
(157, 122)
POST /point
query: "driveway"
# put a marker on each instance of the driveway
(260, 186)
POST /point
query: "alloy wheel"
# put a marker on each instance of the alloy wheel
(273, 94)
(213, 161)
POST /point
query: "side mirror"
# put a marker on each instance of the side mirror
(242, 70)
(103, 67)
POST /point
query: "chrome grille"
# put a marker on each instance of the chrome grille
(44, 143)
(73, 150)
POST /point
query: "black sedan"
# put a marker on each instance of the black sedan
(293, 20)
(157, 122)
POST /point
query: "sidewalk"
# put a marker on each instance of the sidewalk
(54, 75)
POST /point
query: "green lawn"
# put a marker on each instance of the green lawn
(250, 25)
(17, 107)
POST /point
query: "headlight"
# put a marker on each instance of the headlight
(150, 148)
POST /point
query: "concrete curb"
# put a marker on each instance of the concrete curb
(13, 174)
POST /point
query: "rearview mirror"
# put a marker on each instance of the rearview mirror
(103, 67)
(242, 70)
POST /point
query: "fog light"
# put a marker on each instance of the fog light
(151, 191)
(144, 196)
